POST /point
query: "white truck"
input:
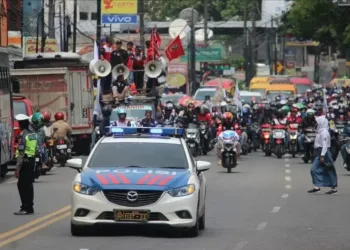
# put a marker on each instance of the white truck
(60, 82)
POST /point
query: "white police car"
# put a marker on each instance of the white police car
(140, 175)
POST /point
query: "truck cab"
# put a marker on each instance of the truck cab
(21, 105)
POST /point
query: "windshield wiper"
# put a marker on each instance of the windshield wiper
(174, 167)
(130, 166)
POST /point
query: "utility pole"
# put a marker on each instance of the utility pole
(253, 42)
(75, 14)
(275, 52)
(52, 7)
(98, 23)
(246, 50)
(61, 27)
(65, 35)
(37, 34)
(206, 16)
(43, 35)
(193, 56)
(140, 10)
(268, 48)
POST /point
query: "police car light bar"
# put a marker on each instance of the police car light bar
(117, 131)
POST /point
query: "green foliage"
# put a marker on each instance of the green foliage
(319, 20)
(236, 62)
(160, 10)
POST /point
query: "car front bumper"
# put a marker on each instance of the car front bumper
(163, 212)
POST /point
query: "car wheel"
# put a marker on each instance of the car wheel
(77, 230)
(202, 221)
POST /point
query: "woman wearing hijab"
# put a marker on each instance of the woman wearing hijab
(323, 172)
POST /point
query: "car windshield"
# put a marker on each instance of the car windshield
(261, 91)
(248, 98)
(132, 112)
(302, 88)
(139, 154)
(283, 94)
(172, 98)
(19, 108)
(201, 94)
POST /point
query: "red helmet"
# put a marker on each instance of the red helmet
(59, 116)
(46, 116)
(294, 110)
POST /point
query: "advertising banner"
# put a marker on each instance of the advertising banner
(177, 77)
(29, 46)
(31, 14)
(119, 7)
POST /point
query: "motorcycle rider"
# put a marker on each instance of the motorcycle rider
(293, 117)
(280, 119)
(36, 121)
(61, 129)
(204, 116)
(308, 122)
(188, 115)
(148, 121)
(47, 127)
(122, 121)
(346, 132)
(170, 112)
(227, 135)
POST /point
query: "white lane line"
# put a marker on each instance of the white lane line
(288, 186)
(285, 196)
(261, 226)
(240, 245)
(287, 165)
(288, 171)
(10, 182)
(287, 178)
(275, 209)
(286, 159)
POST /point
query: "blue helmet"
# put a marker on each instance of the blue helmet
(121, 111)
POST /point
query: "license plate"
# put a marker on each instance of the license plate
(192, 145)
(61, 146)
(131, 215)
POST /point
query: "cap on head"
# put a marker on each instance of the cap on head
(22, 117)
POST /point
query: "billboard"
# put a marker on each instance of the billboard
(29, 46)
(119, 7)
(119, 11)
(31, 15)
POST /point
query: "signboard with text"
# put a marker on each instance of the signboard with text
(206, 55)
(119, 11)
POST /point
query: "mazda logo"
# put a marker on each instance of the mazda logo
(132, 196)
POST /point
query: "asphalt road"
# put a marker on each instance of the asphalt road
(262, 205)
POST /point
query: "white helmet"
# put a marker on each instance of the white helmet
(223, 104)
(310, 111)
(22, 117)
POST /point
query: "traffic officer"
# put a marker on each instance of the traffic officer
(26, 151)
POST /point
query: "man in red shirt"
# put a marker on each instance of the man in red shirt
(139, 67)
(294, 118)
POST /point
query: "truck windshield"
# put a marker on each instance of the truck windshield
(19, 108)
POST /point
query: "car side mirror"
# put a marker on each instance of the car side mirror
(203, 166)
(76, 164)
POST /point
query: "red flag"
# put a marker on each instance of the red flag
(152, 52)
(174, 49)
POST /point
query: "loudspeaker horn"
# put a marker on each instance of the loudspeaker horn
(120, 69)
(153, 69)
(101, 68)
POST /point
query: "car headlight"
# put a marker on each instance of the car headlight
(182, 191)
(84, 189)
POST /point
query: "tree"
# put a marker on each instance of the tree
(319, 20)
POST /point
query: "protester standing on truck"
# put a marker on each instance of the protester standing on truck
(25, 154)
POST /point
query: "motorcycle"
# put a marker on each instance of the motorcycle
(310, 135)
(62, 151)
(265, 138)
(229, 158)
(192, 138)
(293, 139)
(278, 137)
(204, 137)
(50, 155)
(254, 142)
(347, 148)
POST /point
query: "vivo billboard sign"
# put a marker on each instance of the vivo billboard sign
(118, 19)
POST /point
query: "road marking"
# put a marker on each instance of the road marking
(285, 196)
(32, 223)
(261, 226)
(287, 165)
(275, 209)
(288, 171)
(287, 178)
(33, 229)
(239, 246)
(286, 159)
(10, 182)
(288, 186)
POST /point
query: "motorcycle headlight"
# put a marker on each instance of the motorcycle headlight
(191, 136)
(266, 136)
(84, 189)
(182, 191)
(293, 137)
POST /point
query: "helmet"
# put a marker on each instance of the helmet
(228, 115)
(21, 117)
(223, 104)
(121, 111)
(294, 110)
(310, 112)
(308, 91)
(59, 116)
(37, 118)
(286, 108)
(46, 116)
(169, 106)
